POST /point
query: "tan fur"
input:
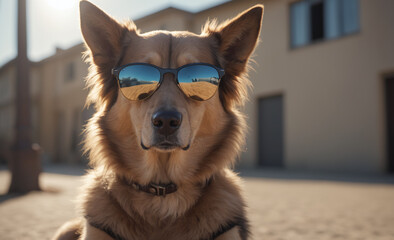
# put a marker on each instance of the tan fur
(214, 129)
(69, 230)
(90, 232)
(232, 234)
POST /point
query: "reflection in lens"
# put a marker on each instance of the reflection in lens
(138, 92)
(138, 82)
(199, 82)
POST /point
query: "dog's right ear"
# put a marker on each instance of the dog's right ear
(102, 34)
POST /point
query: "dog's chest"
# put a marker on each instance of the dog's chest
(122, 215)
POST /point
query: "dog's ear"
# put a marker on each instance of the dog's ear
(102, 34)
(236, 40)
(238, 37)
(105, 38)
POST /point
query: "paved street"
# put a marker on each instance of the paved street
(283, 206)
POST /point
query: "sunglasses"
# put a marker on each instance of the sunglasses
(138, 81)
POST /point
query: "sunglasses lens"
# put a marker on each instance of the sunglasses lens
(199, 82)
(138, 82)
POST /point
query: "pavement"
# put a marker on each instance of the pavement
(283, 205)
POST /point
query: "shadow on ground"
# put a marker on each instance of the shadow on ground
(264, 173)
(283, 174)
(73, 170)
(11, 196)
(65, 169)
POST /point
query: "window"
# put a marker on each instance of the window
(69, 72)
(317, 20)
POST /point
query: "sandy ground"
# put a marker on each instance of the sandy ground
(282, 206)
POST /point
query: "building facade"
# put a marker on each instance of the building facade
(323, 86)
(57, 102)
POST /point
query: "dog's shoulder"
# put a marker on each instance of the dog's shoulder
(221, 208)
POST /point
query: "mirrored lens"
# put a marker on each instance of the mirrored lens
(199, 82)
(138, 82)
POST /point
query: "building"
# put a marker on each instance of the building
(8, 103)
(323, 86)
(58, 97)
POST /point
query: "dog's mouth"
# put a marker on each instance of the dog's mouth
(165, 146)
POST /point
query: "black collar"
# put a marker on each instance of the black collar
(155, 189)
(158, 189)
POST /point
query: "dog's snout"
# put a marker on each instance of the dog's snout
(166, 122)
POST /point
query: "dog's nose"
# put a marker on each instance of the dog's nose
(166, 122)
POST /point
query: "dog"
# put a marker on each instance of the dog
(166, 131)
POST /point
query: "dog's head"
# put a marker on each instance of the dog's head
(168, 121)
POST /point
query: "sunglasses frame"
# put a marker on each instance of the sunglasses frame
(116, 71)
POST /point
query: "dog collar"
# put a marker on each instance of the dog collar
(156, 189)
(159, 189)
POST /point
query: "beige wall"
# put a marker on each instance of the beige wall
(333, 96)
(62, 103)
(56, 105)
(170, 19)
(7, 105)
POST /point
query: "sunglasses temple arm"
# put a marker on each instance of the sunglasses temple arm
(221, 72)
(114, 72)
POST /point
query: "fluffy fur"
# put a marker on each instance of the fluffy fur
(208, 199)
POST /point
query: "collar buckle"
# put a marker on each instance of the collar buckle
(157, 190)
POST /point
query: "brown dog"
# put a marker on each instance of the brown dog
(163, 138)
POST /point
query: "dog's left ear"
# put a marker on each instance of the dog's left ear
(238, 37)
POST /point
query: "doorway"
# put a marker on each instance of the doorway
(389, 88)
(270, 133)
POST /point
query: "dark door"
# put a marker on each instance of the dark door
(390, 122)
(271, 131)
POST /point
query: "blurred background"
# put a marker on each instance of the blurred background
(323, 78)
(319, 157)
